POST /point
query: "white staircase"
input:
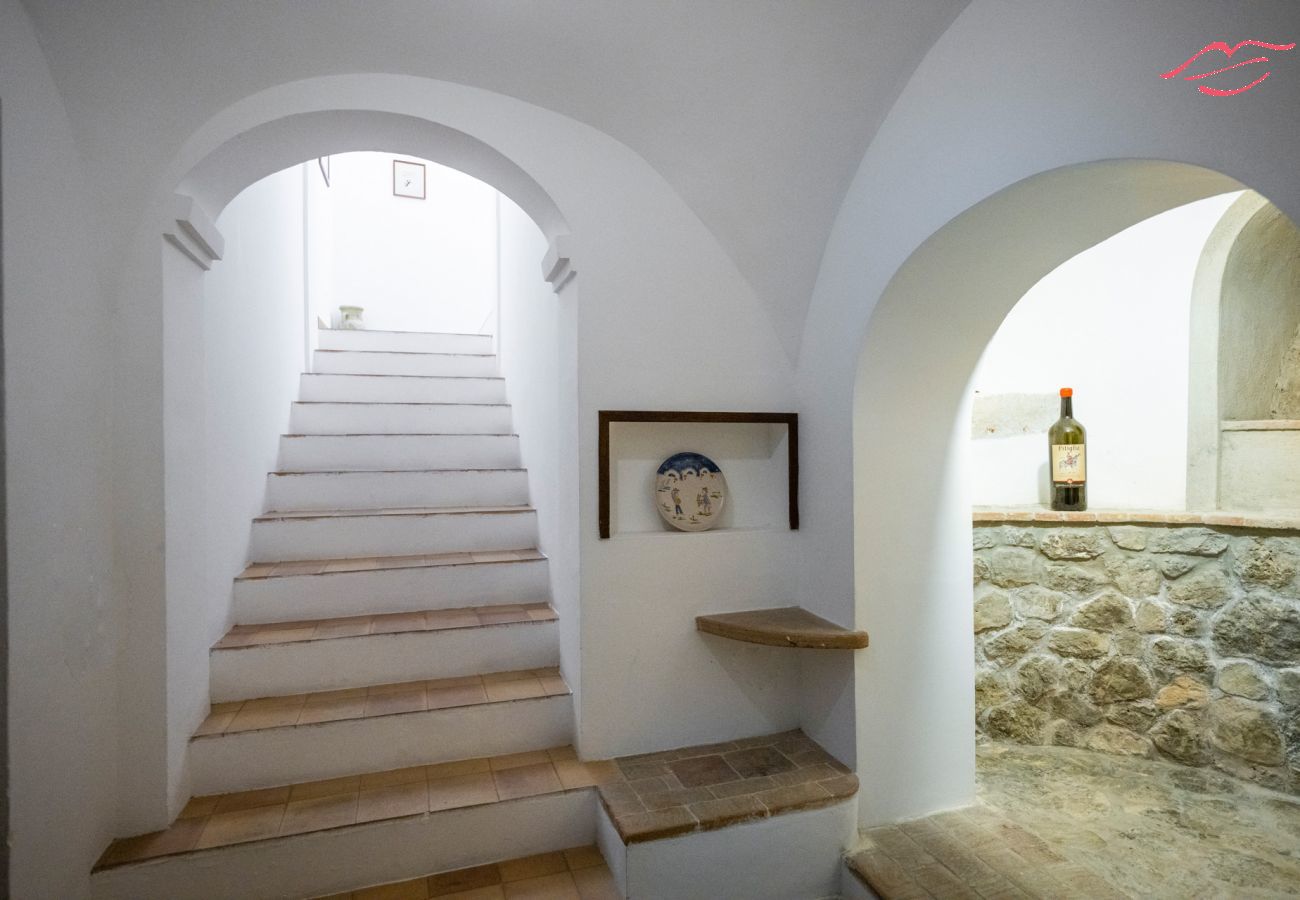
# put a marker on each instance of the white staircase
(394, 616)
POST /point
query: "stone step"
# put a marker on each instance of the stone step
(400, 389)
(314, 838)
(404, 341)
(330, 734)
(330, 654)
(577, 873)
(286, 536)
(366, 417)
(379, 362)
(764, 818)
(332, 588)
(375, 490)
(388, 452)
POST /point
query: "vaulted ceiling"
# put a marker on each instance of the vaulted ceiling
(758, 112)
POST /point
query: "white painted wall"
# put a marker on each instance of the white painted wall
(253, 326)
(63, 625)
(1112, 322)
(318, 221)
(536, 345)
(415, 265)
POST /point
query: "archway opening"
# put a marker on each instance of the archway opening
(1121, 633)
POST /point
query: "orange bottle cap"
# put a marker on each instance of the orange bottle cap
(1067, 392)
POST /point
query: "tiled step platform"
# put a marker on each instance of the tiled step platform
(348, 586)
(578, 873)
(336, 653)
(969, 853)
(302, 534)
(314, 838)
(764, 818)
(270, 740)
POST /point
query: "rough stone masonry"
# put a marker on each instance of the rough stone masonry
(1179, 642)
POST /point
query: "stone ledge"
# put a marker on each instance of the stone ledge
(788, 626)
(1264, 521)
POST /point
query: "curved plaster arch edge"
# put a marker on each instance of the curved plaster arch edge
(1203, 360)
(911, 420)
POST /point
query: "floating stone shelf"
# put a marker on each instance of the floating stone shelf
(788, 626)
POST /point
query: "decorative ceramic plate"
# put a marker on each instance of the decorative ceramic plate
(690, 491)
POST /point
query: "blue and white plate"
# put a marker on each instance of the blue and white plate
(690, 491)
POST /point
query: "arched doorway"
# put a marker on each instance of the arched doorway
(912, 550)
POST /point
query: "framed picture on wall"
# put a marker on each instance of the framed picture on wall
(408, 179)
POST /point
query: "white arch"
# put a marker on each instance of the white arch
(910, 425)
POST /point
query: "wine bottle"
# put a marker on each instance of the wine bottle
(1067, 458)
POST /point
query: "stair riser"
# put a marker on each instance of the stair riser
(338, 537)
(405, 342)
(276, 756)
(350, 363)
(322, 453)
(385, 418)
(400, 389)
(341, 859)
(305, 666)
(797, 854)
(296, 597)
(380, 490)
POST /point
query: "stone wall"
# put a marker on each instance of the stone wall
(1167, 641)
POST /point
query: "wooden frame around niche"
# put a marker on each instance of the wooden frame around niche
(610, 416)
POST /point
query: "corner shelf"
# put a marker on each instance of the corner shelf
(787, 626)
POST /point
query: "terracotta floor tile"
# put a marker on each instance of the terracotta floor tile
(487, 893)
(251, 799)
(181, 837)
(342, 694)
(757, 761)
(267, 717)
(215, 723)
(527, 781)
(603, 771)
(533, 866)
(393, 687)
(795, 796)
(554, 685)
(340, 628)
(574, 774)
(240, 826)
(457, 767)
(392, 802)
(464, 880)
(396, 702)
(229, 707)
(596, 883)
(548, 887)
(416, 889)
(515, 675)
(513, 760)
(504, 617)
(332, 710)
(518, 689)
(529, 554)
(261, 703)
(740, 788)
(392, 777)
(460, 681)
(720, 813)
(701, 771)
(329, 787)
(397, 622)
(565, 752)
(461, 790)
(649, 826)
(319, 813)
(283, 635)
(451, 618)
(198, 807)
(306, 567)
(545, 614)
(489, 556)
(583, 857)
(464, 695)
(233, 641)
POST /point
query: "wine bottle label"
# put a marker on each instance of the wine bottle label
(1068, 464)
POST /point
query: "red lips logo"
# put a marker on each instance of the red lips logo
(1222, 47)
